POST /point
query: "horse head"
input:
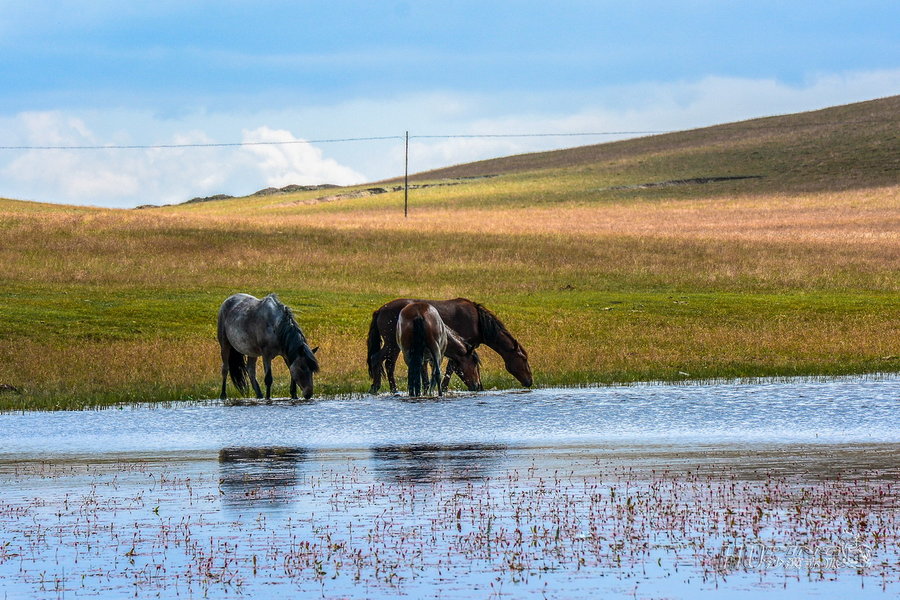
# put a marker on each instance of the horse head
(496, 336)
(302, 369)
(468, 367)
(516, 361)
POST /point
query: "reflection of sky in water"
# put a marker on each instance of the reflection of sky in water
(265, 515)
(844, 410)
(206, 500)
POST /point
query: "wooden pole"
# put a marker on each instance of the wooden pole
(406, 179)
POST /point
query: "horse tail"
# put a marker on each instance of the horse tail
(374, 347)
(237, 368)
(237, 365)
(416, 357)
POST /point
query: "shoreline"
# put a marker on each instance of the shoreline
(456, 393)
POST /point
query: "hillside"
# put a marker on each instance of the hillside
(790, 269)
(857, 145)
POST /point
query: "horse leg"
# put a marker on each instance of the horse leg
(436, 374)
(267, 365)
(225, 347)
(426, 388)
(445, 383)
(251, 370)
(223, 396)
(376, 360)
(376, 384)
(412, 376)
(293, 383)
(390, 361)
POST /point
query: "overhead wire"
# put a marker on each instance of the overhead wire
(401, 137)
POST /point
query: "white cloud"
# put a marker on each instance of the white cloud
(645, 107)
(430, 154)
(130, 177)
(294, 161)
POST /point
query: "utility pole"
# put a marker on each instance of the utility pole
(406, 179)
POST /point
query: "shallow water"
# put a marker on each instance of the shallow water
(788, 489)
(842, 410)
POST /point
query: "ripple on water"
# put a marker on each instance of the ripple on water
(843, 410)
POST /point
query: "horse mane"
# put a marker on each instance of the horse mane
(491, 326)
(291, 338)
(451, 334)
(476, 358)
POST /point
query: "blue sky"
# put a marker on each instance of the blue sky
(106, 73)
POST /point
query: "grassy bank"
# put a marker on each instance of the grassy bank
(600, 281)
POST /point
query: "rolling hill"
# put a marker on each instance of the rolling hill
(763, 248)
(857, 145)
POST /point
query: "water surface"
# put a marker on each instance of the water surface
(842, 410)
(788, 489)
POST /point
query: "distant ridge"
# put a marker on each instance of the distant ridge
(860, 141)
(269, 191)
(842, 147)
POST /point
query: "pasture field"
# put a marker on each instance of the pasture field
(795, 271)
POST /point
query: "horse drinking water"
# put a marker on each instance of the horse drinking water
(424, 338)
(473, 323)
(251, 327)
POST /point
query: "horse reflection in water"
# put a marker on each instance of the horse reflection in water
(431, 463)
(259, 476)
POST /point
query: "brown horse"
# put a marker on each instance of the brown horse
(424, 338)
(474, 323)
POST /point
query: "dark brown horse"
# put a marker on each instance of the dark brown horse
(424, 338)
(474, 323)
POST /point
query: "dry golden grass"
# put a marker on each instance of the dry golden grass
(747, 278)
(103, 306)
(867, 216)
(760, 244)
(776, 240)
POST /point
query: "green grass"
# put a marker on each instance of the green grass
(792, 274)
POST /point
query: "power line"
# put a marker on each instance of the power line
(748, 125)
(325, 141)
(527, 135)
(419, 137)
(207, 145)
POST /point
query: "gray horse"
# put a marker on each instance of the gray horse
(251, 327)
